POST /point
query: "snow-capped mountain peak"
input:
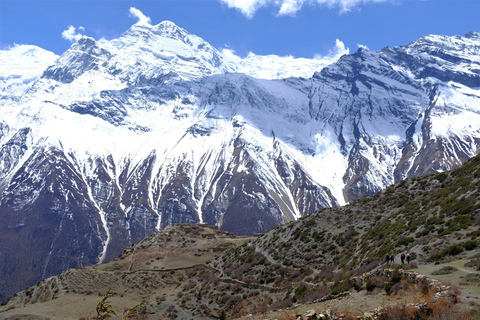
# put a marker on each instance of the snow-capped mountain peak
(19, 67)
(165, 42)
(169, 29)
(120, 138)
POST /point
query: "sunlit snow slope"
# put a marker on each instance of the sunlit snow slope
(117, 139)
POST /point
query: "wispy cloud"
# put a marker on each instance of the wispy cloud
(290, 7)
(363, 46)
(71, 33)
(142, 19)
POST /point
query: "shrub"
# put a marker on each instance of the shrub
(370, 285)
(470, 244)
(441, 176)
(445, 270)
(411, 265)
(342, 284)
(394, 279)
(453, 250)
(104, 308)
(315, 294)
(474, 263)
(400, 286)
(399, 312)
(422, 285)
(222, 315)
(299, 293)
(281, 304)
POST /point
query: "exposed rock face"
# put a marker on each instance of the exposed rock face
(118, 139)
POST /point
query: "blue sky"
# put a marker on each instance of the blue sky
(301, 28)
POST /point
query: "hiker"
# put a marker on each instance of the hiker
(408, 258)
(402, 257)
(392, 259)
(388, 258)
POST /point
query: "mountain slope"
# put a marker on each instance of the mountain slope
(189, 271)
(119, 139)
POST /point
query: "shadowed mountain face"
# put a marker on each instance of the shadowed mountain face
(119, 139)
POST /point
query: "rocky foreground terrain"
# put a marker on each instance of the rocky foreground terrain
(330, 263)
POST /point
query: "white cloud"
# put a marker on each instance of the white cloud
(142, 19)
(363, 46)
(71, 35)
(229, 54)
(290, 7)
(335, 53)
(247, 7)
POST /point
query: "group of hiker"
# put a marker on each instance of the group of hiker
(391, 258)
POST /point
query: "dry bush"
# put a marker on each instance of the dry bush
(275, 266)
(375, 282)
(234, 304)
(403, 285)
(315, 294)
(311, 256)
(253, 293)
(208, 277)
(294, 273)
(343, 274)
(400, 312)
(432, 309)
(361, 270)
(411, 265)
(191, 284)
(445, 310)
(440, 310)
(327, 272)
(262, 305)
(282, 304)
(422, 285)
(241, 271)
(237, 288)
(279, 282)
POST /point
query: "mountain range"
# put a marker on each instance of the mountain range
(117, 139)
